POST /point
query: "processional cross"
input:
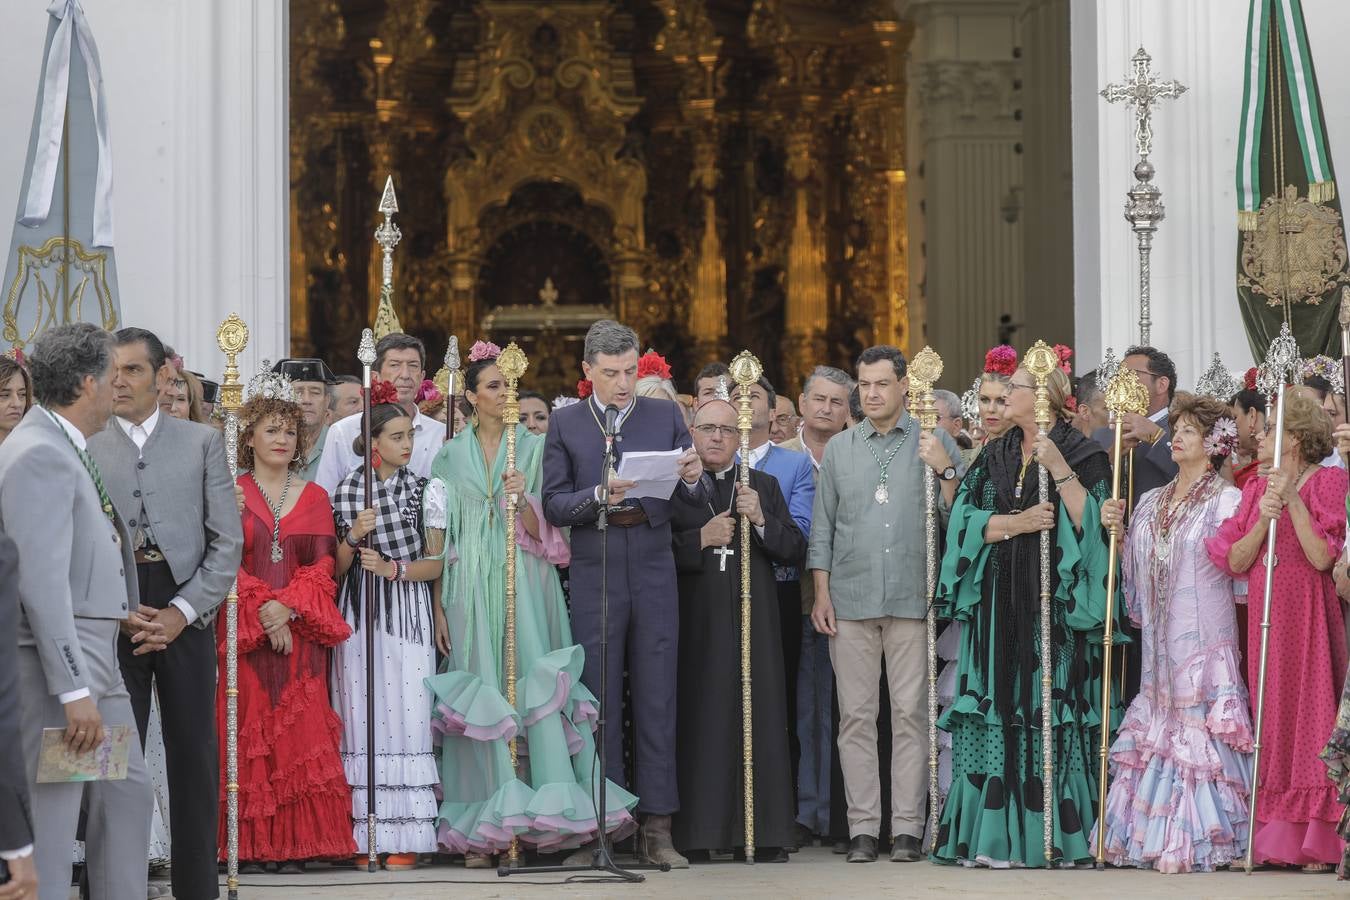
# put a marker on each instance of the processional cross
(1143, 208)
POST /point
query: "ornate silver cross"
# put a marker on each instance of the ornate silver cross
(1143, 206)
(1140, 92)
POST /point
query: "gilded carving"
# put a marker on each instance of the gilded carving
(1296, 253)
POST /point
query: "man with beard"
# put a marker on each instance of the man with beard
(709, 714)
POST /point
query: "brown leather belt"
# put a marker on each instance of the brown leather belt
(627, 516)
(149, 555)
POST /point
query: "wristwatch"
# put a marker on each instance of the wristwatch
(948, 473)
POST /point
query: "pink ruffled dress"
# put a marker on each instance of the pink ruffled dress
(1181, 762)
(1297, 807)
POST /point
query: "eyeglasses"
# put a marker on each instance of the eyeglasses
(710, 430)
(1145, 373)
(1025, 387)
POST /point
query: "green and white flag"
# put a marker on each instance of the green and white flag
(60, 266)
(1291, 249)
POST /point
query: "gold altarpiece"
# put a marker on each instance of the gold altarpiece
(721, 175)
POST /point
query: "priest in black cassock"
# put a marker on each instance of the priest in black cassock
(708, 745)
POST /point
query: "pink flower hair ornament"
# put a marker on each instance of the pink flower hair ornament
(1222, 439)
(483, 350)
(1001, 360)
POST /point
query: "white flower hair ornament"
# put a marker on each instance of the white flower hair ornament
(1222, 439)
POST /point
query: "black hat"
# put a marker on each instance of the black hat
(305, 370)
(210, 389)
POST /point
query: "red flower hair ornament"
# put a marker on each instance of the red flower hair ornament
(1249, 380)
(1001, 360)
(382, 392)
(653, 363)
(584, 388)
(428, 391)
(1065, 354)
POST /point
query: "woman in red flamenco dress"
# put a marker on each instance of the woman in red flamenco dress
(294, 800)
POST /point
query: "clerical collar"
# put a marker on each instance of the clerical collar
(731, 467)
(623, 413)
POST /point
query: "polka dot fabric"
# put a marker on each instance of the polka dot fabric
(1297, 809)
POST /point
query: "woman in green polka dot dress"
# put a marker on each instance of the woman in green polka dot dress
(990, 582)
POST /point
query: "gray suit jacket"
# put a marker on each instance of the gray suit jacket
(181, 477)
(74, 563)
(16, 822)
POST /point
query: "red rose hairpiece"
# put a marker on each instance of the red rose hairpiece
(584, 388)
(1071, 404)
(1065, 354)
(1249, 380)
(1001, 360)
(653, 363)
(382, 392)
(16, 354)
(428, 391)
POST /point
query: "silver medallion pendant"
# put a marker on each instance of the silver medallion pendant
(1163, 550)
(882, 495)
(276, 552)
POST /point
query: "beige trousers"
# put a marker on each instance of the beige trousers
(856, 652)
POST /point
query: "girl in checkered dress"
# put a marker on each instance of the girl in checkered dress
(404, 567)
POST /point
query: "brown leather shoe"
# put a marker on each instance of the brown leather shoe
(654, 846)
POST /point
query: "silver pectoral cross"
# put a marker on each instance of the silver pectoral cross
(723, 552)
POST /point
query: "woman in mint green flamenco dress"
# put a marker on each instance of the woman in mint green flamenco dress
(990, 582)
(548, 802)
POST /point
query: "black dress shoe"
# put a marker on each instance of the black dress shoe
(290, 867)
(906, 849)
(839, 848)
(251, 868)
(862, 848)
(801, 837)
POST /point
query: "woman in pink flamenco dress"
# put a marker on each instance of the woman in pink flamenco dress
(1181, 762)
(1297, 808)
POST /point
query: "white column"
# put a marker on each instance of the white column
(197, 95)
(965, 247)
(1200, 43)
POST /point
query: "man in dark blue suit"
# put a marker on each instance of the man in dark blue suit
(796, 479)
(643, 597)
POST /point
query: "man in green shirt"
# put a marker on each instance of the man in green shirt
(867, 556)
(312, 380)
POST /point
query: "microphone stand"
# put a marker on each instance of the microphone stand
(602, 857)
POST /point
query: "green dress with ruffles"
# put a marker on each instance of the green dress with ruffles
(993, 812)
(547, 802)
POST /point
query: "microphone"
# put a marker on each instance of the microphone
(611, 420)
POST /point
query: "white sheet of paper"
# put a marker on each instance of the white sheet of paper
(655, 472)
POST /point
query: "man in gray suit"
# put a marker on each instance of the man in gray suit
(168, 479)
(16, 821)
(76, 583)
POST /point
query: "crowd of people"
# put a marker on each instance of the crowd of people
(123, 533)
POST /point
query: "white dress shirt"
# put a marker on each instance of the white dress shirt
(339, 459)
(139, 434)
